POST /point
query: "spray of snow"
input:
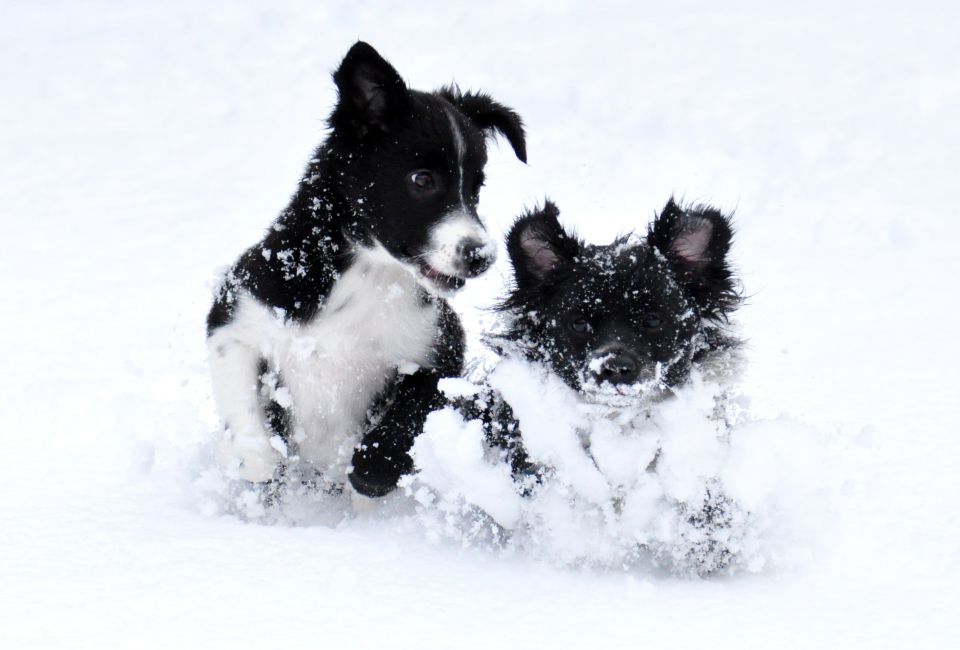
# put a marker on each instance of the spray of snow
(690, 484)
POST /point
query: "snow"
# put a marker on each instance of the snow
(704, 487)
(143, 146)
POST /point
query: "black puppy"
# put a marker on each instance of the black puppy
(625, 312)
(624, 325)
(620, 323)
(333, 327)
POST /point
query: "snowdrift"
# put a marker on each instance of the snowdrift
(691, 484)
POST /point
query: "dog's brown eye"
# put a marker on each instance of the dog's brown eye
(580, 325)
(652, 321)
(422, 180)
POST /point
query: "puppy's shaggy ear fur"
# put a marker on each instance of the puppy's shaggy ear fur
(370, 92)
(490, 117)
(539, 246)
(695, 241)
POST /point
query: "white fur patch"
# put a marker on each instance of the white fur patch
(331, 367)
(461, 147)
(447, 235)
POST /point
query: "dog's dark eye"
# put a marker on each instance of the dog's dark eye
(652, 321)
(422, 181)
(580, 325)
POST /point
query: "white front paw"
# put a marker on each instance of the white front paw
(251, 458)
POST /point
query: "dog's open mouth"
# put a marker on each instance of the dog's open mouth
(442, 281)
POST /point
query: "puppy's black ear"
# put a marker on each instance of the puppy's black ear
(696, 241)
(538, 245)
(490, 116)
(370, 92)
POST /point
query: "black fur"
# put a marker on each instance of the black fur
(357, 188)
(490, 116)
(632, 304)
(652, 301)
(382, 456)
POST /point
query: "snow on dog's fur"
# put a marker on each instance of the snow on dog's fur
(334, 328)
(626, 318)
(600, 431)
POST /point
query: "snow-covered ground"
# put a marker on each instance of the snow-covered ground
(144, 145)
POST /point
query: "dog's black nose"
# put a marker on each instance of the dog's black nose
(618, 368)
(474, 256)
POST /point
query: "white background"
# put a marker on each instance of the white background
(143, 146)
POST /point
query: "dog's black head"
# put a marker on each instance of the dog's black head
(627, 317)
(410, 164)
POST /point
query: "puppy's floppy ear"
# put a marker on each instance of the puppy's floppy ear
(538, 245)
(370, 92)
(696, 241)
(489, 116)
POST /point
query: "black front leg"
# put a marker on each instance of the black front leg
(383, 454)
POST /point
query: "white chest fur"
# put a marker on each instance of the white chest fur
(332, 367)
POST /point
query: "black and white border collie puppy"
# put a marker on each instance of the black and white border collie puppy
(334, 328)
